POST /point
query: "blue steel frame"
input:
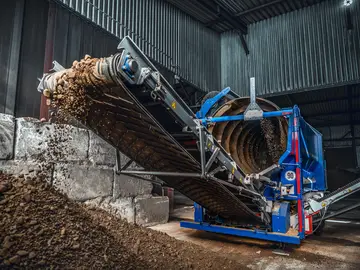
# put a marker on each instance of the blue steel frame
(200, 224)
(205, 108)
(257, 234)
(240, 117)
(291, 160)
(290, 157)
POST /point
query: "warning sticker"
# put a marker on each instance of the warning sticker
(173, 105)
(233, 168)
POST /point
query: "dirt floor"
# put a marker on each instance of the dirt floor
(337, 248)
(42, 229)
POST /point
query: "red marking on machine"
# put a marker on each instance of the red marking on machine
(298, 183)
(309, 222)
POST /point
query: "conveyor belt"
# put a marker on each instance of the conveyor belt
(128, 126)
(339, 190)
(116, 113)
(118, 110)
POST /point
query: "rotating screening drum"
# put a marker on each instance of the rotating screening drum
(254, 145)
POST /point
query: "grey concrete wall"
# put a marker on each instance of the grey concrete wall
(80, 164)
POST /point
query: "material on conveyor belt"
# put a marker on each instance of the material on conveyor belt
(339, 190)
(114, 112)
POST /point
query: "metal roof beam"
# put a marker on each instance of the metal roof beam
(347, 112)
(331, 123)
(341, 139)
(243, 43)
(247, 11)
(224, 15)
(293, 98)
(320, 101)
(212, 22)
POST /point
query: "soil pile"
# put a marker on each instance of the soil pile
(40, 228)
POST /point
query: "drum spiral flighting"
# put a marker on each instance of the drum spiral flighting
(254, 145)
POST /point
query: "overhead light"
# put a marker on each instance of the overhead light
(348, 2)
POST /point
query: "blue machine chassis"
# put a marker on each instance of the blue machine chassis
(290, 159)
(258, 234)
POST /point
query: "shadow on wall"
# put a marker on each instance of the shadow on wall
(339, 161)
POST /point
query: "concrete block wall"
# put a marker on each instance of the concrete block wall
(81, 165)
(7, 131)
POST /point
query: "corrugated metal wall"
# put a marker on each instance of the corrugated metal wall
(31, 58)
(304, 49)
(22, 44)
(10, 35)
(74, 37)
(22, 49)
(166, 34)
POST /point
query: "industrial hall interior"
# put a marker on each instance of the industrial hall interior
(180, 134)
